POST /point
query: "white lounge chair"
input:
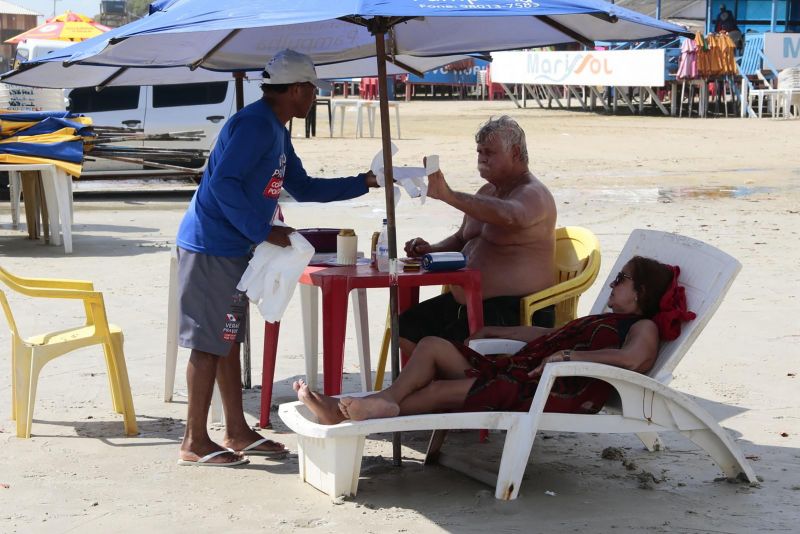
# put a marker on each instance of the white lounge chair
(330, 455)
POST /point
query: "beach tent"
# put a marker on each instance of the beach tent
(240, 35)
(68, 26)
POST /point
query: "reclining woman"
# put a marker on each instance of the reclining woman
(647, 305)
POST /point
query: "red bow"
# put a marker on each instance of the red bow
(672, 309)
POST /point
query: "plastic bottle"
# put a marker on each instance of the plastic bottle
(382, 249)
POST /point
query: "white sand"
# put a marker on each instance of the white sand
(733, 183)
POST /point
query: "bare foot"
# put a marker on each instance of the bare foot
(372, 407)
(325, 408)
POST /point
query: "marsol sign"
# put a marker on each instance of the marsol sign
(622, 68)
(782, 49)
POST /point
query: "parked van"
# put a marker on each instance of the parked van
(161, 109)
(19, 98)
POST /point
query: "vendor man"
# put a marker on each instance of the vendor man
(234, 209)
(508, 233)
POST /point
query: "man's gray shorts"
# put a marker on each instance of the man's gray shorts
(213, 313)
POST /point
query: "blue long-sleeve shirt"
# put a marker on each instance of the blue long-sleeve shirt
(234, 206)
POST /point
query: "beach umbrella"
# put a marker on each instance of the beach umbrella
(44, 137)
(54, 71)
(68, 26)
(50, 71)
(241, 35)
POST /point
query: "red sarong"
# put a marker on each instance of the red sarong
(503, 383)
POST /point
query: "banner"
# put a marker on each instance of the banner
(622, 68)
(782, 50)
(459, 73)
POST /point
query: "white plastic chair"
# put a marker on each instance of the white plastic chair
(373, 108)
(341, 105)
(789, 84)
(330, 455)
(57, 187)
(171, 352)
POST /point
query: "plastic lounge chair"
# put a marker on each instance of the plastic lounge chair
(330, 455)
(29, 355)
(577, 265)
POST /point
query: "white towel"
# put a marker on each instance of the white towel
(413, 179)
(272, 275)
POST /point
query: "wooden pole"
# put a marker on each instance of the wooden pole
(386, 140)
(247, 375)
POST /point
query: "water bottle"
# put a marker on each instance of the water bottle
(382, 249)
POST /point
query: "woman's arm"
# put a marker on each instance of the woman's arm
(518, 333)
(638, 352)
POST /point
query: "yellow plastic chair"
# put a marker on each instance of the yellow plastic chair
(577, 265)
(28, 356)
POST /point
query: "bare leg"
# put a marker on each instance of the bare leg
(325, 408)
(200, 374)
(238, 434)
(438, 396)
(434, 358)
(406, 346)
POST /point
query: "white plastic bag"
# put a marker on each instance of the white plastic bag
(272, 275)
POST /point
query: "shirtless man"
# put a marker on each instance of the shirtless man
(508, 233)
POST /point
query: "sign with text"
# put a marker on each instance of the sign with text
(782, 50)
(622, 68)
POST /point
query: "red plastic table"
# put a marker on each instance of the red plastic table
(336, 284)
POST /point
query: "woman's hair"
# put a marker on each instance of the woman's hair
(507, 131)
(650, 279)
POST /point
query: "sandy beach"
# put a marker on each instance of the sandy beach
(730, 182)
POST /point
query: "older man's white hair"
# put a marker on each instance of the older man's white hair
(507, 131)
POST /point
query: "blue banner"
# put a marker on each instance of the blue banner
(462, 74)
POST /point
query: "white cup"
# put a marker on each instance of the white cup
(346, 247)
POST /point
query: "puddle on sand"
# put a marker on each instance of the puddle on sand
(671, 194)
(648, 195)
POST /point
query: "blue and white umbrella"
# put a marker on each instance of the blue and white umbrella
(241, 35)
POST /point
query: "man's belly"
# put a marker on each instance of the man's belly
(510, 270)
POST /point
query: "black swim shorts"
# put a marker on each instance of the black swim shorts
(443, 317)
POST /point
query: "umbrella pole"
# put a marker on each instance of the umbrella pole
(379, 30)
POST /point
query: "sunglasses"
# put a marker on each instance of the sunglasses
(621, 277)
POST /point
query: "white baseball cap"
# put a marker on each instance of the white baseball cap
(288, 66)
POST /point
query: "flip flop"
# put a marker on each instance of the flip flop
(251, 450)
(204, 461)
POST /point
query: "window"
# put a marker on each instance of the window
(8, 33)
(189, 94)
(88, 100)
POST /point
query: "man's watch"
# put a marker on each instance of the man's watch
(567, 355)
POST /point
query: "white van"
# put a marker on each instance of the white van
(36, 48)
(160, 109)
(19, 98)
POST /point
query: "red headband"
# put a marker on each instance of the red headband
(672, 310)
